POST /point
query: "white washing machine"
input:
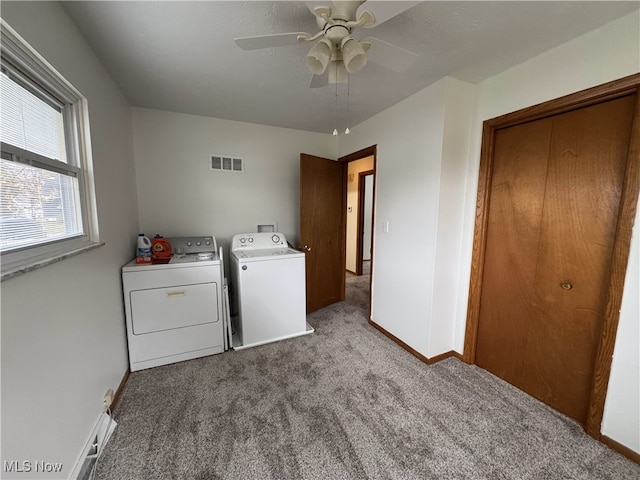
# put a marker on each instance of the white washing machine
(174, 311)
(268, 279)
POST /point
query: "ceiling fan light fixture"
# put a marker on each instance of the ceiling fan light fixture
(337, 73)
(318, 57)
(353, 55)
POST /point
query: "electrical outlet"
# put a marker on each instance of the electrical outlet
(108, 398)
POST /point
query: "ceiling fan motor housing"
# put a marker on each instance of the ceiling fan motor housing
(336, 33)
(344, 48)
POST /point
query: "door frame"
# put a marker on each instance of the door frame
(361, 214)
(622, 242)
(371, 151)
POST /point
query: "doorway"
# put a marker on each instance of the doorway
(323, 206)
(365, 222)
(556, 200)
(360, 169)
(359, 214)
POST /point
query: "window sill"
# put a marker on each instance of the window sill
(14, 271)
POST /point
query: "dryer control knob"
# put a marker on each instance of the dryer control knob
(244, 267)
(275, 239)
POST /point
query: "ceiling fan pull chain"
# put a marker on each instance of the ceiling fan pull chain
(347, 131)
(335, 129)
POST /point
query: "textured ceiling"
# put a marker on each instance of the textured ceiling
(181, 57)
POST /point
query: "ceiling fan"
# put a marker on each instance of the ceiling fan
(336, 53)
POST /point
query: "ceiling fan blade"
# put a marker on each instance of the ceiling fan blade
(389, 55)
(313, 5)
(266, 41)
(383, 11)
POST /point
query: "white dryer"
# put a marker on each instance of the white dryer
(268, 280)
(175, 311)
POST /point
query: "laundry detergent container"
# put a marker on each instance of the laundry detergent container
(160, 249)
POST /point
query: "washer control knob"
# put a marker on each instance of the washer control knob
(242, 240)
(275, 239)
(244, 267)
(189, 244)
(207, 242)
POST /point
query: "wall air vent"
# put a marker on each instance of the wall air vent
(227, 163)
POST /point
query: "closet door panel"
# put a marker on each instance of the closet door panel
(515, 213)
(586, 167)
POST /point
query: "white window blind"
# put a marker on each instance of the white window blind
(30, 123)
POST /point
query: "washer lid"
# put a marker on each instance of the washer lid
(266, 254)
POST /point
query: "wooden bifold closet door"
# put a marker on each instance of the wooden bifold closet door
(554, 201)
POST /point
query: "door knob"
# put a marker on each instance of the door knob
(566, 285)
(306, 248)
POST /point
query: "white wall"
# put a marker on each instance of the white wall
(409, 137)
(422, 174)
(622, 411)
(460, 104)
(422, 151)
(63, 329)
(179, 195)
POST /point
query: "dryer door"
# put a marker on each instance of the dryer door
(159, 309)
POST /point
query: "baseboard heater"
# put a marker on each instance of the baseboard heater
(94, 447)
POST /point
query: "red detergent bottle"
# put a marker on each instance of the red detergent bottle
(160, 249)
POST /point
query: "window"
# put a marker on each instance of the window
(47, 202)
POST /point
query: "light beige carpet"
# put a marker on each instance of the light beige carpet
(342, 403)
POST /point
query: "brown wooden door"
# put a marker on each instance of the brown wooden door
(554, 201)
(322, 229)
